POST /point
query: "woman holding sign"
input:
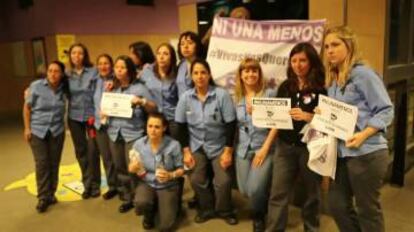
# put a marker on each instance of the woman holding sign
(363, 158)
(253, 163)
(304, 83)
(207, 120)
(123, 132)
(158, 161)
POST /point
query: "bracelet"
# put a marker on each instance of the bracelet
(141, 174)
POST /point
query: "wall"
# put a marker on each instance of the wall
(366, 18)
(104, 26)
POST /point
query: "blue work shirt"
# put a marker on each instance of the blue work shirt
(184, 81)
(163, 91)
(82, 88)
(97, 97)
(250, 137)
(130, 128)
(365, 90)
(206, 121)
(47, 108)
(169, 156)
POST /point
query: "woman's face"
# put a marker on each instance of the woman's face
(54, 74)
(121, 71)
(137, 61)
(250, 76)
(187, 47)
(104, 66)
(300, 64)
(155, 128)
(163, 57)
(77, 55)
(200, 75)
(335, 49)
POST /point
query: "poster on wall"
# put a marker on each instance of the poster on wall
(63, 42)
(39, 56)
(269, 42)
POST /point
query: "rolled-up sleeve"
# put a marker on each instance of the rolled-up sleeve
(377, 99)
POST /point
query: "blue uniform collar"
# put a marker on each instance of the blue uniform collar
(210, 92)
(46, 83)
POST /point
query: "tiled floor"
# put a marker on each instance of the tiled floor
(17, 211)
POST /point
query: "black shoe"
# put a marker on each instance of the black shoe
(42, 206)
(193, 203)
(95, 194)
(53, 200)
(231, 219)
(125, 207)
(202, 217)
(110, 194)
(258, 225)
(148, 223)
(86, 194)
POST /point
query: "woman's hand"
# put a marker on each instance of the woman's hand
(299, 115)
(135, 166)
(163, 175)
(259, 157)
(356, 140)
(138, 101)
(226, 158)
(188, 158)
(108, 85)
(27, 134)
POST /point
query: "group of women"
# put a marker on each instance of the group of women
(182, 123)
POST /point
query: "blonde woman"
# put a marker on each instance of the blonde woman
(253, 161)
(363, 158)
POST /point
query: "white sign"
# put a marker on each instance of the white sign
(116, 105)
(272, 113)
(269, 42)
(337, 118)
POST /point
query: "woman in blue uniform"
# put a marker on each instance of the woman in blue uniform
(123, 132)
(44, 130)
(160, 79)
(104, 64)
(158, 161)
(304, 84)
(189, 49)
(141, 54)
(207, 121)
(82, 83)
(254, 147)
(363, 158)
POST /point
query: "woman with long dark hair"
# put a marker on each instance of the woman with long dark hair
(123, 132)
(189, 49)
(304, 84)
(82, 83)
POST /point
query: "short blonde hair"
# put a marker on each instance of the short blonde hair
(248, 63)
(341, 72)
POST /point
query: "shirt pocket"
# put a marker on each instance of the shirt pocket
(352, 95)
